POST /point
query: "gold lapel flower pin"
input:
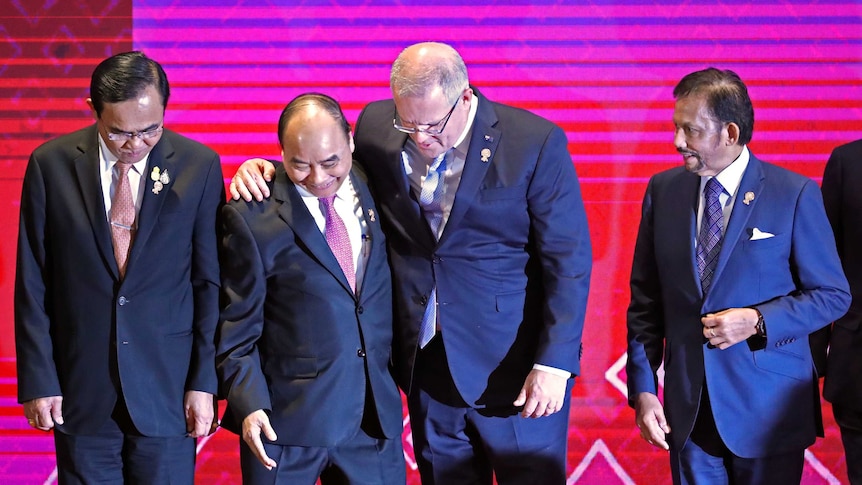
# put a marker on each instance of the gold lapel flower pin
(749, 196)
(371, 216)
(160, 179)
(486, 155)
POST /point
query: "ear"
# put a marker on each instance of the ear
(732, 131)
(350, 141)
(92, 108)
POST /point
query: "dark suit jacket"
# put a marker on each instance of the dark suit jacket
(512, 266)
(842, 196)
(294, 340)
(82, 333)
(763, 393)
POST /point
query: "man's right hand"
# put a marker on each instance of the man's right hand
(651, 421)
(252, 425)
(251, 178)
(43, 412)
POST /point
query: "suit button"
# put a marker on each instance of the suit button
(360, 310)
(436, 260)
(122, 301)
(360, 353)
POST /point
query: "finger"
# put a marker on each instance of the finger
(530, 407)
(260, 452)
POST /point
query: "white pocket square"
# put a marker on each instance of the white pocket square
(757, 234)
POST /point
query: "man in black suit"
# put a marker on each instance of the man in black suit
(842, 180)
(491, 264)
(306, 334)
(117, 286)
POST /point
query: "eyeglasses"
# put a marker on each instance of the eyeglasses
(430, 129)
(143, 135)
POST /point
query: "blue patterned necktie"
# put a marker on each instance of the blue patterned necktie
(709, 239)
(430, 199)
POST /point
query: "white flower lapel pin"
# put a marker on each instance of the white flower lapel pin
(371, 215)
(160, 179)
(747, 198)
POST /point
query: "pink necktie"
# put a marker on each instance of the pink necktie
(338, 240)
(122, 217)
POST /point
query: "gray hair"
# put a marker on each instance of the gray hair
(414, 78)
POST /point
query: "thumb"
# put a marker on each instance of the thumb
(57, 412)
(522, 398)
(268, 431)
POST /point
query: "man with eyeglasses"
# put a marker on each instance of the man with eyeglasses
(117, 286)
(491, 262)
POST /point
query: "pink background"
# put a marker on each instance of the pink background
(603, 70)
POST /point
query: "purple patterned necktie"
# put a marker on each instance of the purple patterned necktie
(431, 199)
(709, 239)
(122, 217)
(338, 240)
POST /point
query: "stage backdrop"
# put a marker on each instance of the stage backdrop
(603, 70)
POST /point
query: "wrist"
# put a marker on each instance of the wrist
(760, 325)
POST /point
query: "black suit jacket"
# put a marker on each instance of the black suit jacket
(294, 340)
(842, 180)
(512, 266)
(80, 331)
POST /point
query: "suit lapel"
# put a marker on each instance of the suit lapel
(372, 224)
(752, 181)
(484, 140)
(391, 183)
(294, 212)
(88, 174)
(162, 156)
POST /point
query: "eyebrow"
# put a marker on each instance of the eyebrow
(332, 158)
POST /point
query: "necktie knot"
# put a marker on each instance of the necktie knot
(713, 188)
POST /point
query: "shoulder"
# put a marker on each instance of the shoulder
(852, 150)
(185, 146)
(67, 146)
(780, 176)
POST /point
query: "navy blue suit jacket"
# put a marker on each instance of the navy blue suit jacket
(294, 340)
(512, 266)
(80, 331)
(763, 394)
(842, 180)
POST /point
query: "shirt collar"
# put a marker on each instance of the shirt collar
(468, 127)
(731, 176)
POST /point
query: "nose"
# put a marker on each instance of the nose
(679, 138)
(135, 142)
(421, 137)
(317, 175)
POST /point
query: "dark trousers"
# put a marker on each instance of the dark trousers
(119, 454)
(455, 444)
(704, 459)
(850, 422)
(361, 460)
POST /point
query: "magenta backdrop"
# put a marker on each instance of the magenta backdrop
(603, 70)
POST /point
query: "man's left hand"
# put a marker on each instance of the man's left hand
(543, 394)
(201, 409)
(729, 327)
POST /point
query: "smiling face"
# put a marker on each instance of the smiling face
(316, 154)
(431, 109)
(142, 113)
(706, 145)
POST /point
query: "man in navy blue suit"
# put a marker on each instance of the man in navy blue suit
(491, 262)
(306, 332)
(115, 310)
(734, 267)
(842, 179)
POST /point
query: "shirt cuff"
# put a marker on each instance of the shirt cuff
(553, 370)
